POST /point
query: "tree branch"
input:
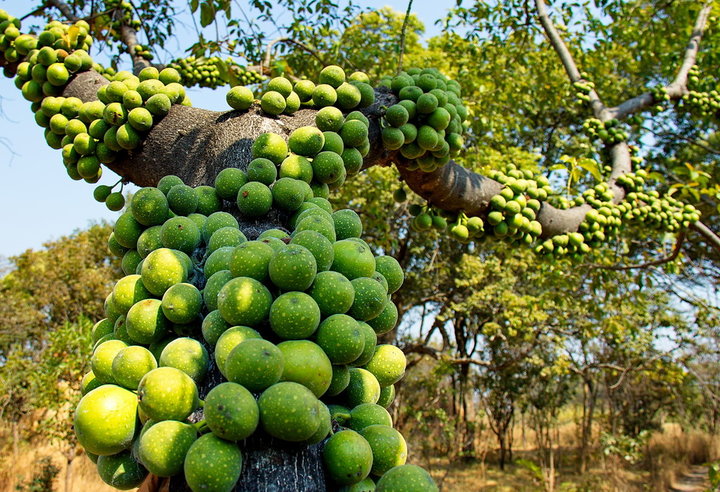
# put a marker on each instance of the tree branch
(64, 9)
(210, 141)
(678, 87)
(35, 12)
(710, 236)
(698, 142)
(402, 36)
(271, 44)
(128, 35)
(675, 252)
(566, 58)
(619, 152)
(196, 144)
(422, 349)
(455, 188)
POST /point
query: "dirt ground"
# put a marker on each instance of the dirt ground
(466, 475)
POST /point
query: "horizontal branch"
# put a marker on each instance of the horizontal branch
(667, 259)
(196, 144)
(439, 355)
(455, 189)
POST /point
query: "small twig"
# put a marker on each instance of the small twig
(6, 143)
(707, 233)
(35, 12)
(402, 36)
(271, 44)
(675, 252)
(98, 14)
(700, 143)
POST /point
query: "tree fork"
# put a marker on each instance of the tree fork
(210, 141)
(196, 144)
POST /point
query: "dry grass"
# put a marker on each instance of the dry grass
(475, 476)
(83, 478)
(672, 452)
(668, 455)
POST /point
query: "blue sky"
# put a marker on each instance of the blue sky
(38, 201)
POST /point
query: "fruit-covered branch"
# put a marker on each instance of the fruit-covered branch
(143, 129)
(566, 58)
(129, 38)
(619, 150)
(678, 88)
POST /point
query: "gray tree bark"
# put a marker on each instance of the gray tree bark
(196, 144)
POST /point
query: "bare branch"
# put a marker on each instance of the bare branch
(678, 87)
(64, 8)
(422, 349)
(98, 14)
(708, 234)
(129, 39)
(468, 360)
(667, 259)
(402, 36)
(691, 50)
(35, 12)
(697, 142)
(566, 58)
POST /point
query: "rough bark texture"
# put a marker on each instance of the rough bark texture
(274, 466)
(452, 187)
(269, 465)
(196, 144)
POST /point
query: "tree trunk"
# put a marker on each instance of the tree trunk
(16, 451)
(470, 425)
(550, 474)
(589, 400)
(70, 458)
(270, 465)
(501, 442)
(510, 439)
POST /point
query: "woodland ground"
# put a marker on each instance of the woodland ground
(671, 461)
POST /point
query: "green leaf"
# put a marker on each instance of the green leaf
(207, 14)
(657, 177)
(591, 166)
(72, 35)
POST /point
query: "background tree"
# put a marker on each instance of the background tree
(505, 123)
